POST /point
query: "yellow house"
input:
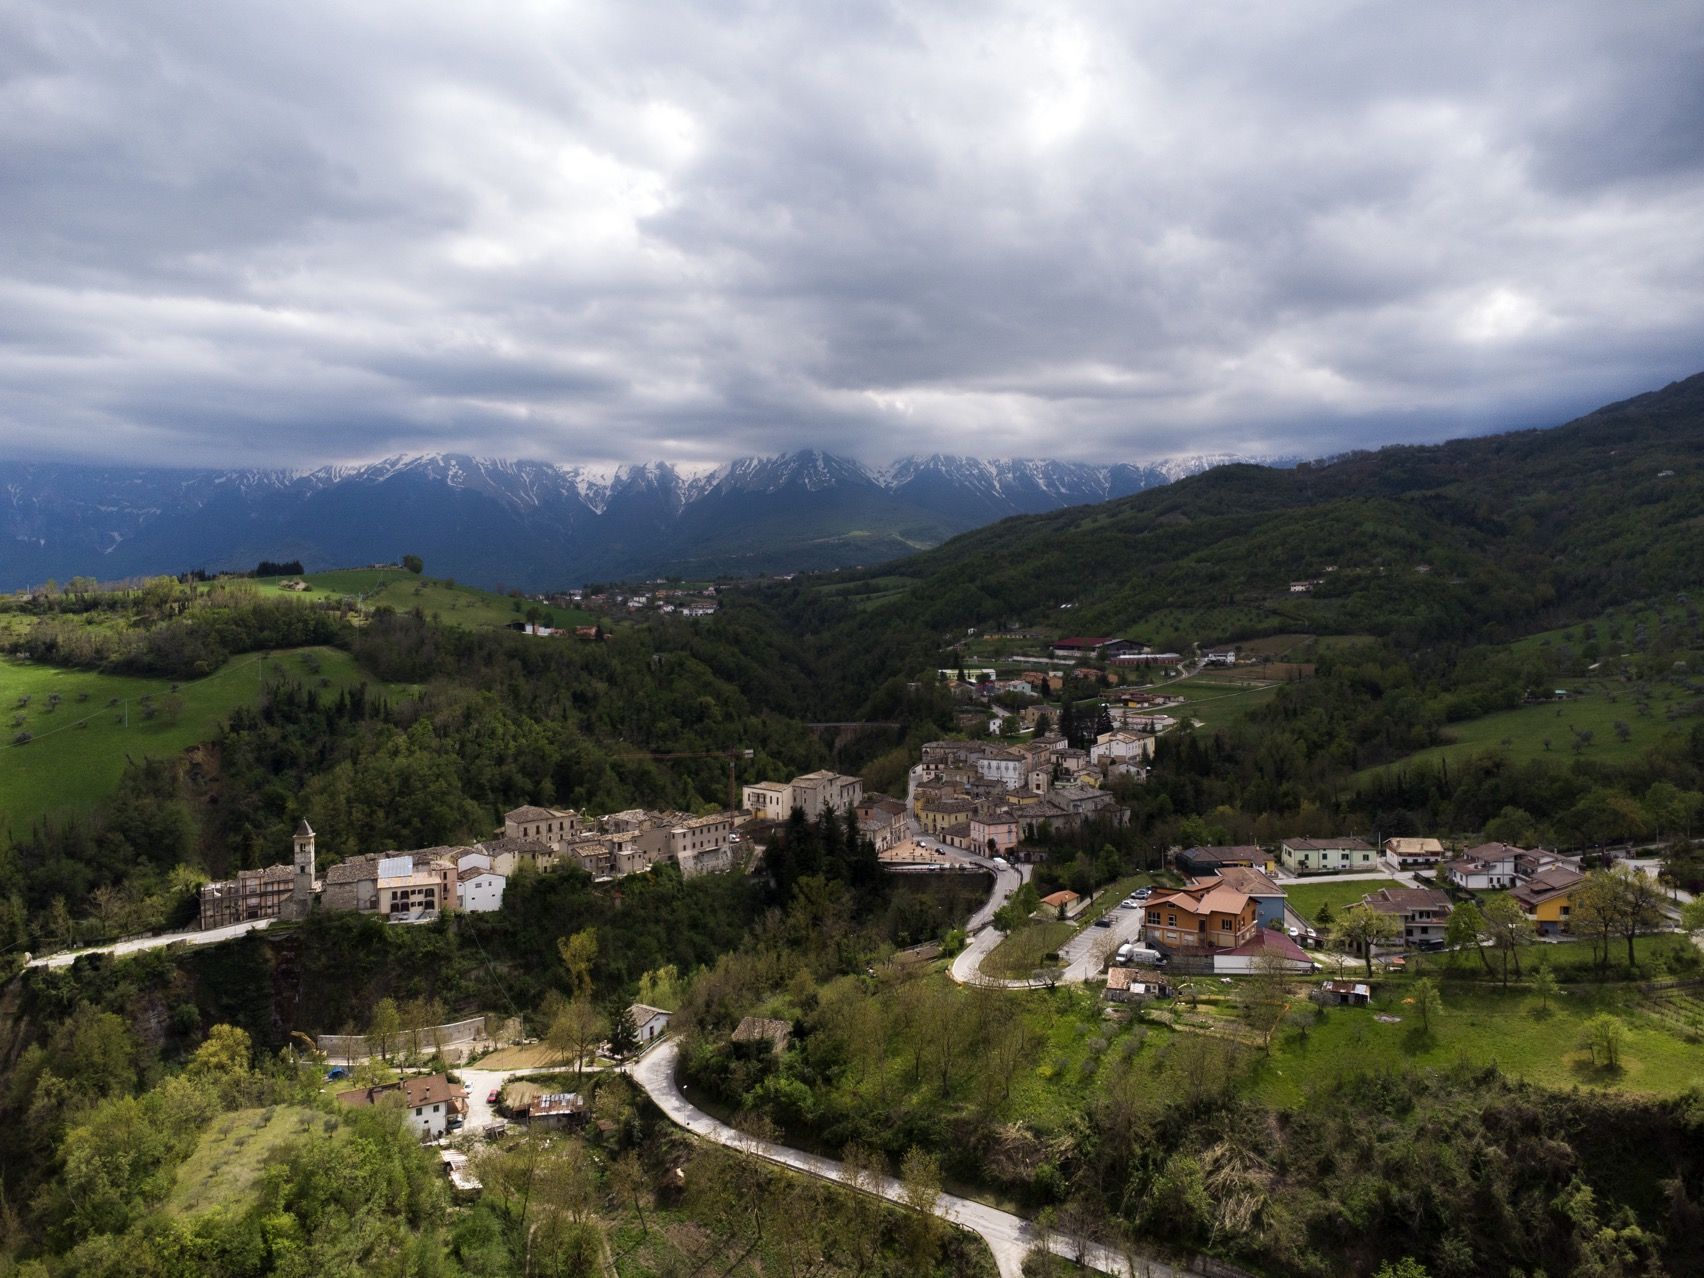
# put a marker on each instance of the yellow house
(1547, 898)
(937, 814)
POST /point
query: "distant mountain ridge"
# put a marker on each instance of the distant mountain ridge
(534, 524)
(1468, 541)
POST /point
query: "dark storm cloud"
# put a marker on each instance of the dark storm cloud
(615, 232)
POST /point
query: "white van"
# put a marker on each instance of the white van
(1144, 954)
(1001, 863)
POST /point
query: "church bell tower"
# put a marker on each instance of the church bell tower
(302, 886)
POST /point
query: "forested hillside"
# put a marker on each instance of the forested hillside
(1499, 640)
(1454, 543)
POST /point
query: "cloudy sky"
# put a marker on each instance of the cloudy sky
(287, 234)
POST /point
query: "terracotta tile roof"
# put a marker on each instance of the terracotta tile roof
(1242, 852)
(1553, 882)
(1204, 896)
(530, 847)
(429, 1089)
(1248, 880)
(531, 812)
(1407, 900)
(354, 870)
(1329, 845)
(1268, 940)
(1415, 847)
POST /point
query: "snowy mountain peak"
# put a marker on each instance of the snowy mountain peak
(498, 519)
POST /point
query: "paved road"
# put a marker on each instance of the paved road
(966, 967)
(480, 1083)
(1404, 877)
(1009, 1237)
(212, 937)
(1083, 953)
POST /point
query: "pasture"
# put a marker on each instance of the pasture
(84, 725)
(445, 600)
(1022, 951)
(1306, 898)
(1552, 730)
(1513, 1030)
(233, 1153)
(1216, 701)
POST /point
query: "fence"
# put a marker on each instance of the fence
(1671, 983)
(352, 1047)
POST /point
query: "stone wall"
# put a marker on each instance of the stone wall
(457, 1040)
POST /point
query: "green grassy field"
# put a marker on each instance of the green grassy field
(1613, 631)
(455, 605)
(1292, 647)
(79, 748)
(1486, 1026)
(1341, 643)
(1521, 734)
(233, 1153)
(1306, 898)
(1021, 952)
(1217, 703)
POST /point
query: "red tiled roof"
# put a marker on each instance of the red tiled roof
(1268, 940)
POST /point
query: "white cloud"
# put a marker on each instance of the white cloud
(617, 232)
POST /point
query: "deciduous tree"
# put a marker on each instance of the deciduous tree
(1544, 984)
(1638, 905)
(1507, 930)
(920, 1178)
(1603, 1037)
(1428, 1002)
(578, 953)
(1361, 928)
(383, 1026)
(575, 1030)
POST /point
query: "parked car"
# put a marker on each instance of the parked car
(492, 1099)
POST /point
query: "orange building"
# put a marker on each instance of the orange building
(1209, 914)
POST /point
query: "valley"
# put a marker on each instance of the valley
(1212, 693)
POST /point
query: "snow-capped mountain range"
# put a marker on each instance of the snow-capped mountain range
(534, 524)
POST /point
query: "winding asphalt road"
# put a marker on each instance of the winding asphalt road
(1009, 1237)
